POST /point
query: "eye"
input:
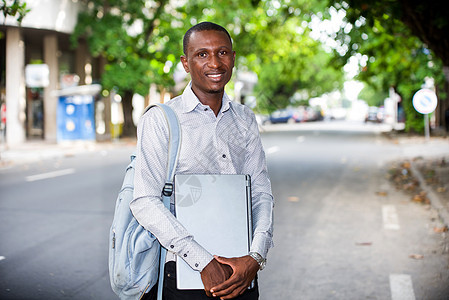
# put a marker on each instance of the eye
(223, 52)
(202, 54)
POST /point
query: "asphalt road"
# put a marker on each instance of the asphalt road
(341, 230)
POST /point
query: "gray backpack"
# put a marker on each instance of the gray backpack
(136, 259)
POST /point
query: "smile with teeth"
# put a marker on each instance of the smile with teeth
(214, 76)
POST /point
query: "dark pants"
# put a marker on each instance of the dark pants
(170, 291)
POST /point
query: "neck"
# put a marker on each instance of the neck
(213, 100)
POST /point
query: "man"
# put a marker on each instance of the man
(218, 137)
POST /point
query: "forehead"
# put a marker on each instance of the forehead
(208, 39)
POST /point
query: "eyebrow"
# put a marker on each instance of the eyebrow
(208, 49)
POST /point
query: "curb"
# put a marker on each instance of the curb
(434, 200)
(32, 152)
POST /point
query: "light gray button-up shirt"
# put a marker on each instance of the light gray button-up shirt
(225, 144)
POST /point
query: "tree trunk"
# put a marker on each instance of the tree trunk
(442, 113)
(129, 129)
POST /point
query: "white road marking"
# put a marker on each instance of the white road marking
(300, 139)
(2, 257)
(50, 175)
(401, 287)
(273, 149)
(390, 217)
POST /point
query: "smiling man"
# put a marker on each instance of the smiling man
(219, 136)
(209, 58)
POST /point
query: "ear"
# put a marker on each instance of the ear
(185, 63)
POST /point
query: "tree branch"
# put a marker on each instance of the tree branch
(152, 24)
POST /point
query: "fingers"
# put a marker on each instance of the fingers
(230, 288)
(230, 292)
(208, 293)
(240, 279)
(226, 285)
(213, 274)
(223, 260)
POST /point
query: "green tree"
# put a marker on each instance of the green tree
(271, 38)
(136, 39)
(296, 75)
(17, 9)
(372, 96)
(393, 54)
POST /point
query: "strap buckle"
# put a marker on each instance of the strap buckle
(168, 189)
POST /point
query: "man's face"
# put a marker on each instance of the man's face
(209, 60)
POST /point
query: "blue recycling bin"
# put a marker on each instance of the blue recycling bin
(75, 118)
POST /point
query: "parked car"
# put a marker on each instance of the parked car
(285, 115)
(374, 114)
(313, 114)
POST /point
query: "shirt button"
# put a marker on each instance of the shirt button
(205, 109)
(224, 156)
(196, 265)
(171, 246)
(185, 255)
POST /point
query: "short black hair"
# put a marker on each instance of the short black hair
(203, 26)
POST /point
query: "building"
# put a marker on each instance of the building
(36, 60)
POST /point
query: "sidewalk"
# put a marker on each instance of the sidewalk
(33, 151)
(427, 162)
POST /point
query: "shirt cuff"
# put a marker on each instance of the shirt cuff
(261, 244)
(195, 256)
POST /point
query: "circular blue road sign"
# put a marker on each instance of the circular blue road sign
(425, 101)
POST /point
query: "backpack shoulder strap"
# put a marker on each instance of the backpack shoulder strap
(174, 146)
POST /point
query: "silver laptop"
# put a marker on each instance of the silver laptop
(216, 210)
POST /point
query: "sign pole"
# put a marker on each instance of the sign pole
(425, 101)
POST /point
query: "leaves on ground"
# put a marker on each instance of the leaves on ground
(416, 256)
(364, 243)
(440, 229)
(421, 197)
(293, 199)
(403, 179)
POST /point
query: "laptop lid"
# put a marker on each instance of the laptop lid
(216, 210)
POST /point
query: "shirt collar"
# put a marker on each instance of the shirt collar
(191, 101)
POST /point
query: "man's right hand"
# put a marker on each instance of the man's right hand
(213, 274)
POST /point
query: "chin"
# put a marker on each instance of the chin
(215, 91)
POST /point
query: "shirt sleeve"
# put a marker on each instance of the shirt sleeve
(149, 179)
(262, 198)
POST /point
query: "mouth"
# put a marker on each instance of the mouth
(215, 76)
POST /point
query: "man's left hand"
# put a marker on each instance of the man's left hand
(244, 271)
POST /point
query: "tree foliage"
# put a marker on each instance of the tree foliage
(17, 9)
(373, 96)
(389, 52)
(136, 39)
(272, 39)
(141, 42)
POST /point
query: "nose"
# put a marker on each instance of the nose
(214, 61)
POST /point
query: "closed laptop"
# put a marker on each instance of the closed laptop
(216, 210)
